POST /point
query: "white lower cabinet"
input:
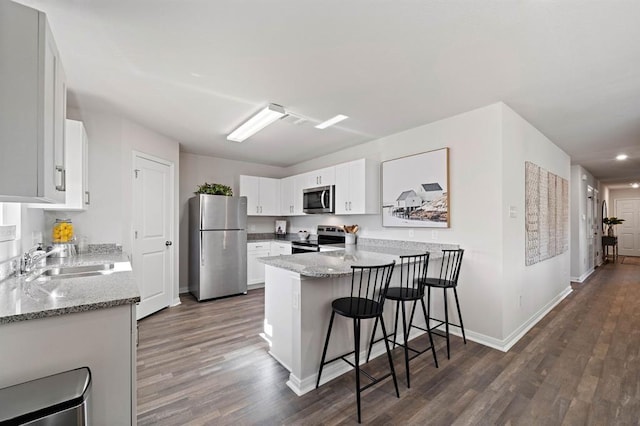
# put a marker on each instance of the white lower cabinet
(255, 268)
(103, 340)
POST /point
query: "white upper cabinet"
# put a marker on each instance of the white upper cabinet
(77, 195)
(321, 177)
(263, 195)
(358, 187)
(33, 105)
(291, 195)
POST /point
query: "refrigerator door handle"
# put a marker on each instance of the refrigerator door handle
(201, 251)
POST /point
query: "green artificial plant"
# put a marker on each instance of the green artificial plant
(610, 222)
(214, 189)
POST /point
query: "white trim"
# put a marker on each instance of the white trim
(255, 286)
(176, 302)
(583, 277)
(505, 344)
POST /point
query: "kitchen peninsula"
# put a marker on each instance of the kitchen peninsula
(299, 290)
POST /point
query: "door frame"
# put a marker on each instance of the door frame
(174, 298)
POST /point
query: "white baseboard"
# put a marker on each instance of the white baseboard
(505, 344)
(583, 277)
(175, 302)
(255, 286)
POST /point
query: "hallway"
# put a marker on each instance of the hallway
(205, 364)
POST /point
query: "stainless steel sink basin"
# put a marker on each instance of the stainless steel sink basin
(73, 272)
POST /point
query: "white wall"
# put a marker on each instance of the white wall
(528, 291)
(112, 140)
(198, 169)
(30, 225)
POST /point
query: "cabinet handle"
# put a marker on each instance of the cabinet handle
(349, 205)
(87, 195)
(346, 206)
(257, 209)
(63, 179)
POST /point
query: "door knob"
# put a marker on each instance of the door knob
(167, 243)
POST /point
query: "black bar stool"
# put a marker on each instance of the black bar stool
(448, 279)
(369, 285)
(413, 272)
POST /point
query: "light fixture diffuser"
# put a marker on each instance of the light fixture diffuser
(256, 123)
(330, 122)
(622, 157)
(635, 185)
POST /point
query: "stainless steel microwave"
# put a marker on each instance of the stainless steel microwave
(318, 200)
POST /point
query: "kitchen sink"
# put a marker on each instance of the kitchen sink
(74, 271)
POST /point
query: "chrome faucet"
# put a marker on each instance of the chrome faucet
(32, 257)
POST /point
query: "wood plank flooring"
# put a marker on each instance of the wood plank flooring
(204, 363)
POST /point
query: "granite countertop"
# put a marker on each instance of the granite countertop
(23, 298)
(262, 238)
(338, 263)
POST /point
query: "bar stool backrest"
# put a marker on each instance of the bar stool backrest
(450, 268)
(371, 283)
(413, 271)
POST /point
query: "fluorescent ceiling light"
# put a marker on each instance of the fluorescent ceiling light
(622, 157)
(635, 185)
(330, 122)
(256, 123)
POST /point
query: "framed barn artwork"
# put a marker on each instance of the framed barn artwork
(415, 190)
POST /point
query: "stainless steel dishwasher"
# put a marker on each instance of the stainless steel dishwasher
(58, 400)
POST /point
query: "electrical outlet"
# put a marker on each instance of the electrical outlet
(434, 235)
(7, 233)
(410, 233)
(252, 227)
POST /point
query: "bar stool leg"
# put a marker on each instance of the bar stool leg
(455, 293)
(433, 348)
(324, 351)
(393, 371)
(395, 324)
(356, 338)
(446, 319)
(373, 335)
(406, 343)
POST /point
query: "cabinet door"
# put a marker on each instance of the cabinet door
(86, 196)
(269, 197)
(55, 110)
(250, 188)
(342, 188)
(326, 176)
(287, 188)
(255, 269)
(357, 187)
(299, 186)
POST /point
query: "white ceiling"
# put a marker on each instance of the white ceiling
(195, 69)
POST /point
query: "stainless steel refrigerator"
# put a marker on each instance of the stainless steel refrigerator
(217, 246)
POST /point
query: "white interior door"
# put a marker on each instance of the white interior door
(589, 231)
(152, 244)
(628, 232)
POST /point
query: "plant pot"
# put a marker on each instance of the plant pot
(610, 231)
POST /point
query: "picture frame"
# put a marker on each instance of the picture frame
(415, 190)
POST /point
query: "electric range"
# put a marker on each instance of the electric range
(327, 238)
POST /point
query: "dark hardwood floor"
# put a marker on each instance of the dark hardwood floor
(204, 363)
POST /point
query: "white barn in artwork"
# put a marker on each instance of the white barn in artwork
(430, 191)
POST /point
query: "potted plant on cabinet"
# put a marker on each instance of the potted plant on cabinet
(214, 189)
(610, 222)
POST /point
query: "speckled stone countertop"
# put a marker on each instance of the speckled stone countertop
(338, 263)
(264, 237)
(23, 299)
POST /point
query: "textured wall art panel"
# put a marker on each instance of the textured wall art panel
(547, 214)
